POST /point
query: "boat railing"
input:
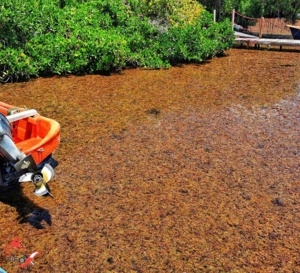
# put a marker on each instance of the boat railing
(21, 115)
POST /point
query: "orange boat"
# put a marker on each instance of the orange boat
(27, 141)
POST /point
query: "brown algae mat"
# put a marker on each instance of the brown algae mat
(191, 169)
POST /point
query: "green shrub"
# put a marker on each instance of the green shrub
(15, 65)
(78, 37)
(176, 12)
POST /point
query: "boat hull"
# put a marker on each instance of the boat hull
(35, 135)
(295, 30)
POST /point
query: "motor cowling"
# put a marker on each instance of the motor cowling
(8, 149)
(5, 126)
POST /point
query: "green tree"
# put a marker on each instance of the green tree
(287, 9)
(218, 5)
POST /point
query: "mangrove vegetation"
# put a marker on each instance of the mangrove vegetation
(59, 37)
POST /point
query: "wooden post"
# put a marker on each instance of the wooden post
(232, 18)
(215, 15)
(260, 27)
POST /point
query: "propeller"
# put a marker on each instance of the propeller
(38, 178)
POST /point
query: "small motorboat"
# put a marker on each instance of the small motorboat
(295, 30)
(27, 141)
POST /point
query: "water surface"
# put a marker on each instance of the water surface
(191, 169)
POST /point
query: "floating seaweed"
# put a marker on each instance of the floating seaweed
(168, 170)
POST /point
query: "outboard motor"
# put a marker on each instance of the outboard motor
(16, 167)
(13, 163)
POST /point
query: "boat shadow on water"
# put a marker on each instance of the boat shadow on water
(28, 212)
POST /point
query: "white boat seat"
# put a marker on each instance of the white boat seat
(21, 115)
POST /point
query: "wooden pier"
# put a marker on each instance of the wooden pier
(242, 38)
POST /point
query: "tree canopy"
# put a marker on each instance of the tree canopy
(287, 9)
